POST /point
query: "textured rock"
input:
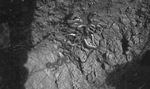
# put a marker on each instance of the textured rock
(75, 44)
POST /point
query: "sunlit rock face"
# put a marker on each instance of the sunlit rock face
(88, 44)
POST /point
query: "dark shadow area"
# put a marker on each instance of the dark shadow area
(125, 44)
(146, 59)
(18, 14)
(132, 75)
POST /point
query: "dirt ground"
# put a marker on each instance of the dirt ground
(75, 44)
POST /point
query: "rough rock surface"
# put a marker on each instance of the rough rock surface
(76, 44)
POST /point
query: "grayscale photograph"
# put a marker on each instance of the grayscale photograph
(74, 44)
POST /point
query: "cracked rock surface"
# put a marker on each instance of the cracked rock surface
(76, 44)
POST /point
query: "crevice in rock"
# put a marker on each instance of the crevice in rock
(125, 44)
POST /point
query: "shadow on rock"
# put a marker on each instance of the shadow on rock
(133, 75)
(18, 14)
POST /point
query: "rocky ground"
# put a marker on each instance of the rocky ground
(75, 44)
